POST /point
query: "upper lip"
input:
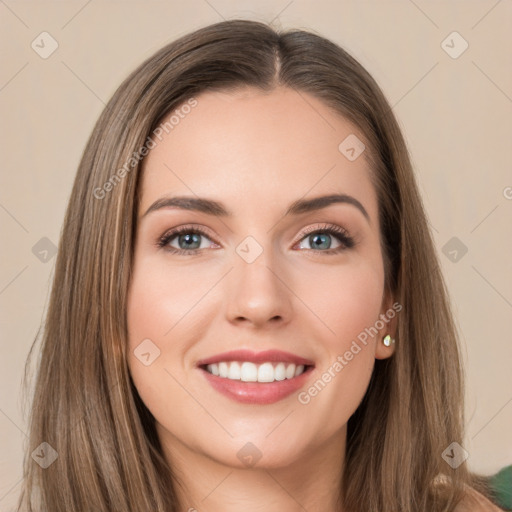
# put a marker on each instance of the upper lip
(256, 357)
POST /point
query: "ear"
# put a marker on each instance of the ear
(388, 316)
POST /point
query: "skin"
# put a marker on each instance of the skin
(475, 502)
(256, 153)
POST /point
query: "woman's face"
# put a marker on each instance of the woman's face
(257, 271)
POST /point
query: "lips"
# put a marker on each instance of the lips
(254, 389)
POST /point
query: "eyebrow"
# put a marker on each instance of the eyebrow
(217, 209)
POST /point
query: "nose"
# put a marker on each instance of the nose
(257, 294)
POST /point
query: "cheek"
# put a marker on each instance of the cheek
(163, 300)
(157, 300)
(346, 301)
(169, 309)
(152, 304)
(343, 300)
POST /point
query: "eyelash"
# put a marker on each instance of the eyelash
(347, 242)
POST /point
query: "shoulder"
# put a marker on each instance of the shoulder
(473, 501)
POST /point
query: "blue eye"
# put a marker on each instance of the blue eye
(188, 239)
(192, 240)
(319, 241)
(322, 239)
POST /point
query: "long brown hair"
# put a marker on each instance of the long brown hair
(85, 405)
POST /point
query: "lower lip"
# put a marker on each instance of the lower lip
(257, 392)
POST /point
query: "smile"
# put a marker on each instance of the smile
(256, 377)
(250, 372)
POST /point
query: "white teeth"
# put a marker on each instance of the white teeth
(290, 371)
(266, 373)
(280, 372)
(234, 371)
(250, 372)
(223, 369)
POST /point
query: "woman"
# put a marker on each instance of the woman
(247, 310)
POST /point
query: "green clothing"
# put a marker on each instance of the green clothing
(501, 485)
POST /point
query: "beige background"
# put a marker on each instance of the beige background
(456, 114)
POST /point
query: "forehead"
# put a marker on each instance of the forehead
(253, 147)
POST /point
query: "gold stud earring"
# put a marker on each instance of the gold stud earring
(388, 340)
